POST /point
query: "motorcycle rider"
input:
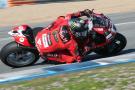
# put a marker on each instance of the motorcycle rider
(62, 35)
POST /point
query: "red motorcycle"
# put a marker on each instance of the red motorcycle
(23, 52)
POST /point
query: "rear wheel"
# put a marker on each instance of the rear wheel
(113, 48)
(15, 56)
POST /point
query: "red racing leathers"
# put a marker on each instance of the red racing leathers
(57, 41)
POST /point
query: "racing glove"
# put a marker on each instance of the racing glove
(86, 12)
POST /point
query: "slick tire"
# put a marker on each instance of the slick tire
(14, 56)
(117, 45)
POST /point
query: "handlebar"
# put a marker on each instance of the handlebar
(91, 13)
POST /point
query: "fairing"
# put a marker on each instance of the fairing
(20, 38)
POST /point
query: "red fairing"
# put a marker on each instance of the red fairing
(23, 41)
(99, 30)
(49, 40)
(19, 37)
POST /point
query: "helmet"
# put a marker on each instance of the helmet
(79, 28)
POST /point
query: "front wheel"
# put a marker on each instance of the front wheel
(15, 56)
(114, 47)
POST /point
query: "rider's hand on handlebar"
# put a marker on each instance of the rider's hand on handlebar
(87, 12)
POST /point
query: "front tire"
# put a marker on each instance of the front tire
(114, 47)
(15, 56)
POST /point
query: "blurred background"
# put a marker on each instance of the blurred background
(11, 3)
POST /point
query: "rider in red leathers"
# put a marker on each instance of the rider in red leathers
(60, 38)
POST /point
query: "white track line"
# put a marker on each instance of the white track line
(118, 24)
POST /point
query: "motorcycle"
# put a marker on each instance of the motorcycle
(23, 51)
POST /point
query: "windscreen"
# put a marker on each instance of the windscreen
(100, 22)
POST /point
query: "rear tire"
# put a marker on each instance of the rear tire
(15, 56)
(113, 48)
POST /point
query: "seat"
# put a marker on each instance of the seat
(36, 30)
(31, 33)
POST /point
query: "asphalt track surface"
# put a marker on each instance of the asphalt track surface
(125, 23)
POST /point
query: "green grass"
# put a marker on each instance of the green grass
(116, 77)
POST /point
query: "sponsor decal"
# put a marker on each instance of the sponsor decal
(46, 40)
(64, 35)
(49, 39)
(21, 39)
(55, 55)
(55, 36)
(108, 37)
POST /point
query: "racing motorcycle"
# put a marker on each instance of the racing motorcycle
(23, 51)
